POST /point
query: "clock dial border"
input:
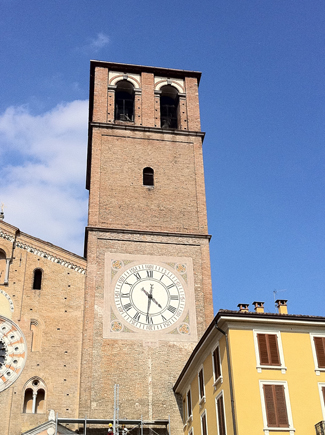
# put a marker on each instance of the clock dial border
(118, 323)
(150, 297)
(13, 352)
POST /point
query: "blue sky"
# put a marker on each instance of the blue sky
(262, 107)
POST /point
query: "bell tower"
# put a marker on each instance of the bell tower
(148, 287)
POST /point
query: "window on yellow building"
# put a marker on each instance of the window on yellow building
(319, 343)
(221, 424)
(216, 365)
(189, 404)
(204, 428)
(268, 350)
(321, 387)
(184, 411)
(201, 385)
(276, 406)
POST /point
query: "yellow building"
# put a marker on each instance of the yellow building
(256, 373)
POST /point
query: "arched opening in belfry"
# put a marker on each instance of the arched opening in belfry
(169, 107)
(124, 101)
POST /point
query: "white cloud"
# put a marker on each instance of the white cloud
(96, 44)
(43, 172)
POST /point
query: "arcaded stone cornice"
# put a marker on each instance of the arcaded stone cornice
(42, 253)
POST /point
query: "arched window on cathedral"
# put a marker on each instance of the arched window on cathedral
(3, 265)
(124, 101)
(37, 281)
(148, 177)
(34, 397)
(36, 335)
(40, 402)
(28, 401)
(169, 107)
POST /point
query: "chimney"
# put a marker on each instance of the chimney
(282, 306)
(259, 307)
(243, 308)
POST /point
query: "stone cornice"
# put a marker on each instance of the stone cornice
(151, 233)
(158, 130)
(6, 236)
(43, 253)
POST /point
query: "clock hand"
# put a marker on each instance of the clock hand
(145, 292)
(157, 303)
(149, 299)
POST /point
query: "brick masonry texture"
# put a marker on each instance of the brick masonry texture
(58, 310)
(166, 220)
(77, 365)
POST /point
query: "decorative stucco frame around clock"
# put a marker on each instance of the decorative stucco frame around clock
(115, 327)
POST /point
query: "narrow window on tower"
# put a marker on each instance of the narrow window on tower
(124, 101)
(169, 107)
(148, 177)
(37, 281)
(3, 264)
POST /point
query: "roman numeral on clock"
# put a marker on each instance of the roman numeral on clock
(174, 298)
(137, 275)
(149, 320)
(150, 273)
(170, 286)
(136, 316)
(127, 307)
(171, 309)
(125, 295)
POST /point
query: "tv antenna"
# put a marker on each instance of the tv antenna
(275, 292)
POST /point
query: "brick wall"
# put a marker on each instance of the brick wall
(58, 310)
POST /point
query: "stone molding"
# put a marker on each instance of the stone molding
(6, 236)
(43, 254)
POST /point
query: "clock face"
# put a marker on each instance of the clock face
(150, 297)
(12, 352)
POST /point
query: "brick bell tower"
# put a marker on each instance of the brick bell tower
(148, 288)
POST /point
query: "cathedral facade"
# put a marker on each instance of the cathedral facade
(127, 316)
